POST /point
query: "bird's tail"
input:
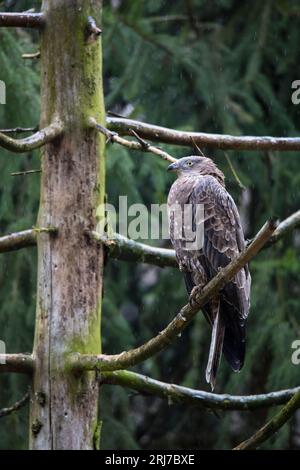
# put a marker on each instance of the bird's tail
(215, 351)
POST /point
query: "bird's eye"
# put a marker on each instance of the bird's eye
(189, 163)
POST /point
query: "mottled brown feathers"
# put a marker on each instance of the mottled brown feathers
(201, 182)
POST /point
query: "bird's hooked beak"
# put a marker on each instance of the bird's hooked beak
(173, 167)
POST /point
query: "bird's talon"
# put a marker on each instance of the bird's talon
(193, 296)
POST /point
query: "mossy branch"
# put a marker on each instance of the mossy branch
(19, 363)
(125, 126)
(140, 145)
(125, 249)
(34, 141)
(272, 426)
(199, 298)
(185, 395)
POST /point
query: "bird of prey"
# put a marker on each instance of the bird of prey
(200, 183)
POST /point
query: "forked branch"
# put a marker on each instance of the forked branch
(130, 358)
(220, 141)
(140, 145)
(179, 394)
(34, 141)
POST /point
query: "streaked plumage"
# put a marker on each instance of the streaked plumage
(201, 182)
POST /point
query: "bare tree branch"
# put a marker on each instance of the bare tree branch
(273, 425)
(183, 318)
(19, 404)
(18, 240)
(26, 172)
(26, 238)
(179, 394)
(24, 20)
(123, 248)
(20, 363)
(32, 55)
(140, 145)
(19, 130)
(34, 141)
(285, 227)
(220, 141)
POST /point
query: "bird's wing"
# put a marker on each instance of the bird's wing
(223, 239)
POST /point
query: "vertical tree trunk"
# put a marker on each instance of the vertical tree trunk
(64, 408)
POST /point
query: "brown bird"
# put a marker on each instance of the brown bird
(200, 184)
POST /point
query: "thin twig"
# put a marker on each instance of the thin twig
(34, 141)
(19, 130)
(179, 394)
(233, 171)
(143, 143)
(33, 55)
(114, 137)
(220, 141)
(197, 147)
(24, 173)
(112, 113)
(272, 426)
(199, 298)
(19, 404)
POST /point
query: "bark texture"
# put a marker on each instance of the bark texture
(64, 408)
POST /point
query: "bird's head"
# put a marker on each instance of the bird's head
(196, 166)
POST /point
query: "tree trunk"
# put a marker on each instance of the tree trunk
(64, 408)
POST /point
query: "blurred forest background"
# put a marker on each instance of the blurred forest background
(220, 66)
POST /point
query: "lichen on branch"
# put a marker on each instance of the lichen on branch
(178, 394)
